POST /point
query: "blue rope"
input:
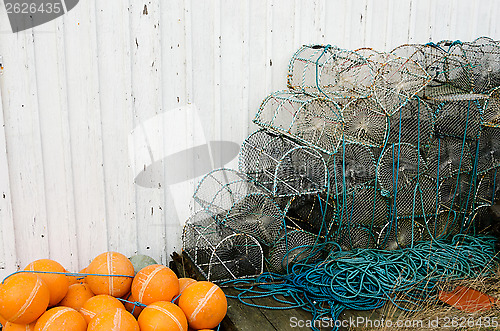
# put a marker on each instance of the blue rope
(366, 279)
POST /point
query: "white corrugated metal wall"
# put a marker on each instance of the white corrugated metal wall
(88, 97)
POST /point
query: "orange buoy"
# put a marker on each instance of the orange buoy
(77, 279)
(98, 304)
(183, 284)
(131, 308)
(3, 321)
(162, 316)
(155, 283)
(18, 327)
(77, 295)
(113, 320)
(58, 283)
(23, 298)
(204, 304)
(110, 263)
(61, 319)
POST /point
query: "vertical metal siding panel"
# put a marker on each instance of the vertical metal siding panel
(464, 12)
(233, 110)
(55, 137)
(147, 98)
(259, 79)
(174, 94)
(85, 130)
(400, 24)
(8, 256)
(282, 42)
(357, 24)
(377, 21)
(422, 22)
(336, 22)
(24, 148)
(113, 46)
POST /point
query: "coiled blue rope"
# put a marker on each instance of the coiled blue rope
(366, 279)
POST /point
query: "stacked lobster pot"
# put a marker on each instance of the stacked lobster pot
(364, 149)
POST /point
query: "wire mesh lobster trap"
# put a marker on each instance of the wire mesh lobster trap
(365, 122)
(413, 123)
(364, 206)
(313, 213)
(444, 224)
(219, 252)
(328, 71)
(418, 199)
(352, 166)
(399, 166)
(488, 149)
(457, 192)
(448, 156)
(400, 233)
(483, 64)
(491, 116)
(312, 121)
(488, 189)
(397, 81)
(460, 118)
(238, 203)
(282, 166)
(353, 236)
(294, 246)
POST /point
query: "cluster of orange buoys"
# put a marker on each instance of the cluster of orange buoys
(45, 297)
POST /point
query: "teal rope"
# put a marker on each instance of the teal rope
(75, 274)
(365, 279)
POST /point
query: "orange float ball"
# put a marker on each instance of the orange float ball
(77, 279)
(131, 308)
(58, 283)
(18, 327)
(162, 316)
(110, 263)
(155, 283)
(183, 283)
(98, 304)
(204, 304)
(61, 319)
(77, 295)
(3, 321)
(114, 320)
(23, 298)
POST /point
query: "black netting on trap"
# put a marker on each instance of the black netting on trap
(328, 71)
(397, 81)
(457, 192)
(219, 252)
(294, 246)
(489, 149)
(282, 166)
(365, 122)
(311, 121)
(313, 214)
(352, 236)
(400, 233)
(364, 206)
(419, 198)
(240, 204)
(398, 166)
(488, 188)
(445, 224)
(491, 116)
(459, 118)
(352, 166)
(483, 59)
(448, 156)
(413, 123)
